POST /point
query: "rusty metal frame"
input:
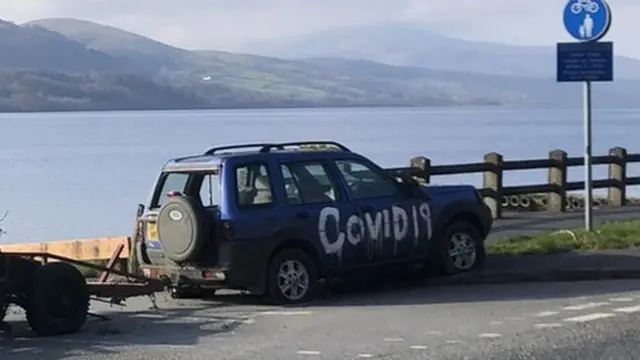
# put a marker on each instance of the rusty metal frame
(143, 286)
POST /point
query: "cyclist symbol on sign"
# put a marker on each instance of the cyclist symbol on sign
(587, 6)
(587, 20)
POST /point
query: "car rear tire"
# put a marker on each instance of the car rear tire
(58, 300)
(182, 229)
(292, 278)
(461, 249)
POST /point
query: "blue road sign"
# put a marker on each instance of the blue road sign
(587, 20)
(585, 61)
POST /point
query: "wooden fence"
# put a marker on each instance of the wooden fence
(494, 166)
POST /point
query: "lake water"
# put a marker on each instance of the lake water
(80, 175)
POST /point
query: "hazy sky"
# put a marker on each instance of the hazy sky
(228, 24)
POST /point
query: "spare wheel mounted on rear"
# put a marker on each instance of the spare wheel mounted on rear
(183, 228)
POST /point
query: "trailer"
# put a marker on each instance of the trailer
(55, 294)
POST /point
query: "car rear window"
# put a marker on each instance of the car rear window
(173, 182)
(209, 190)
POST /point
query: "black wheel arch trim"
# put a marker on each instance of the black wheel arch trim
(464, 211)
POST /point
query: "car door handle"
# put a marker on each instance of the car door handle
(302, 215)
(367, 208)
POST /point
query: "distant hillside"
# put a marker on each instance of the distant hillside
(414, 45)
(29, 90)
(38, 48)
(73, 64)
(289, 83)
(142, 51)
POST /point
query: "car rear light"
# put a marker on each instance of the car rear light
(171, 194)
(226, 229)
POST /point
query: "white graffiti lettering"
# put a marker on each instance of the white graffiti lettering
(425, 214)
(376, 227)
(387, 223)
(416, 226)
(325, 215)
(400, 223)
(355, 229)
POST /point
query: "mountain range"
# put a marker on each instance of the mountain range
(407, 44)
(71, 64)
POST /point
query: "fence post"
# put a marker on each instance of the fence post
(617, 194)
(133, 267)
(492, 182)
(558, 178)
(424, 164)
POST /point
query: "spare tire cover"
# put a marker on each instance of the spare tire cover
(180, 229)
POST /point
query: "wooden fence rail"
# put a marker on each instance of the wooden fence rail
(494, 166)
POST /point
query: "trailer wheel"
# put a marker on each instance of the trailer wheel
(58, 300)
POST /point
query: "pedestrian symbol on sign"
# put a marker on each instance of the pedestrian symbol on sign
(587, 20)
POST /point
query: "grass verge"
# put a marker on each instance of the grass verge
(608, 236)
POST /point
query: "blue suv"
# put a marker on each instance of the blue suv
(274, 219)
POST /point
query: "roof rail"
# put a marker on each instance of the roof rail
(280, 146)
(231, 147)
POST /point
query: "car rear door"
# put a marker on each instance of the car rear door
(204, 184)
(169, 182)
(394, 226)
(320, 211)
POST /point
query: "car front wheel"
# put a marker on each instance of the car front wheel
(461, 249)
(292, 278)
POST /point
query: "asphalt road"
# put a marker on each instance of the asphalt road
(582, 321)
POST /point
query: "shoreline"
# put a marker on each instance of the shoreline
(477, 107)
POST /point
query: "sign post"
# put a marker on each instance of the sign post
(586, 61)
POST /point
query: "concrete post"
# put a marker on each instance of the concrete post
(617, 194)
(557, 177)
(424, 164)
(492, 181)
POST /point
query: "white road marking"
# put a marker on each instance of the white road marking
(514, 318)
(546, 313)
(621, 299)
(434, 332)
(286, 313)
(630, 309)
(393, 339)
(365, 356)
(453, 341)
(585, 306)
(308, 352)
(588, 317)
(490, 336)
(418, 347)
(546, 326)
(494, 322)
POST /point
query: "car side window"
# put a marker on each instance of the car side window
(290, 186)
(364, 182)
(253, 187)
(308, 183)
(210, 190)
